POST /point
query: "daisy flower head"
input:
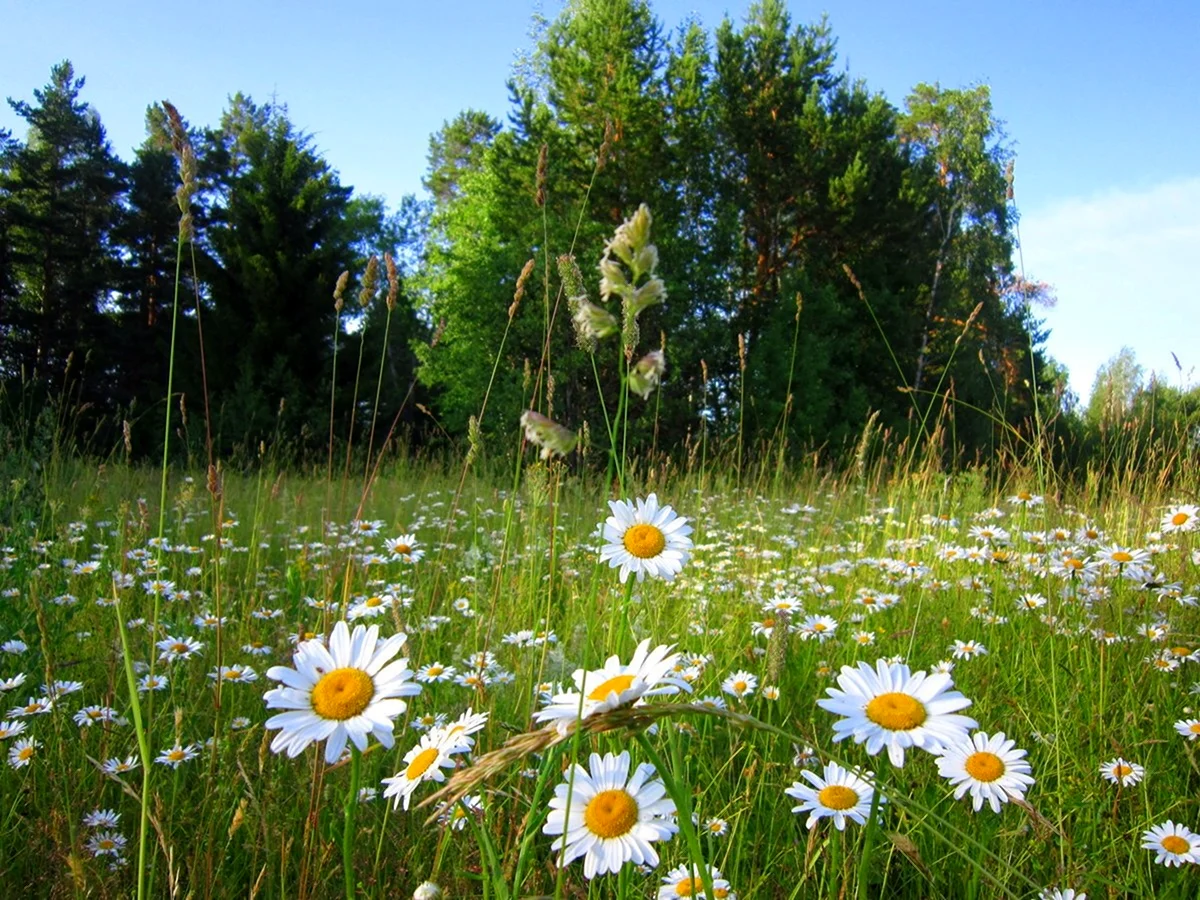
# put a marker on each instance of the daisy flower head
(22, 751)
(1188, 728)
(967, 649)
(887, 705)
(839, 794)
(1185, 517)
(405, 548)
(106, 843)
(1061, 894)
(102, 819)
(1173, 844)
(644, 538)
(424, 762)
(177, 755)
(347, 691)
(989, 768)
(648, 673)
(11, 729)
(1122, 772)
(608, 815)
(688, 882)
(740, 684)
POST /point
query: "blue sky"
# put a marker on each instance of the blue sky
(1099, 100)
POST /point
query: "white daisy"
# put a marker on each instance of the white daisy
(740, 684)
(987, 767)
(840, 795)
(1174, 844)
(22, 751)
(346, 692)
(649, 673)
(1185, 517)
(424, 762)
(1122, 772)
(645, 539)
(889, 706)
(1189, 728)
(1061, 894)
(688, 882)
(613, 816)
(405, 548)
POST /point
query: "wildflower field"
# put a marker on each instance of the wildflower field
(926, 687)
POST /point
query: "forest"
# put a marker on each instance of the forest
(832, 265)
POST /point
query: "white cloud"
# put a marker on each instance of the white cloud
(1123, 265)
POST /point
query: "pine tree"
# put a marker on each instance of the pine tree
(277, 239)
(61, 191)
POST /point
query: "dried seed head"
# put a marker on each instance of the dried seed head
(605, 145)
(438, 332)
(339, 291)
(393, 280)
(519, 292)
(370, 282)
(127, 434)
(741, 352)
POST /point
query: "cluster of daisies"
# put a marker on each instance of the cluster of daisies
(353, 685)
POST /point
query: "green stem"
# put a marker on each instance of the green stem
(683, 813)
(348, 825)
(143, 748)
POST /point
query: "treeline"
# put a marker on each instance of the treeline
(99, 267)
(829, 258)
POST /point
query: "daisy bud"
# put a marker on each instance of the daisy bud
(647, 374)
(427, 890)
(547, 434)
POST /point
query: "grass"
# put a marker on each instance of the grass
(239, 820)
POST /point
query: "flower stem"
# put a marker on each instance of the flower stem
(348, 825)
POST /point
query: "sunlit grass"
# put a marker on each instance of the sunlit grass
(1072, 680)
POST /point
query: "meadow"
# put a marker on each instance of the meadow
(1070, 625)
(743, 673)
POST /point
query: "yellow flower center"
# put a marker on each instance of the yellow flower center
(175, 755)
(1181, 651)
(1180, 518)
(687, 887)
(1120, 556)
(374, 601)
(1194, 728)
(421, 763)
(1173, 843)
(768, 622)
(896, 711)
(435, 670)
(1072, 563)
(402, 549)
(180, 647)
(644, 541)
(106, 843)
(1121, 770)
(25, 753)
(1024, 495)
(739, 687)
(342, 693)
(615, 685)
(984, 766)
(838, 796)
(611, 814)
